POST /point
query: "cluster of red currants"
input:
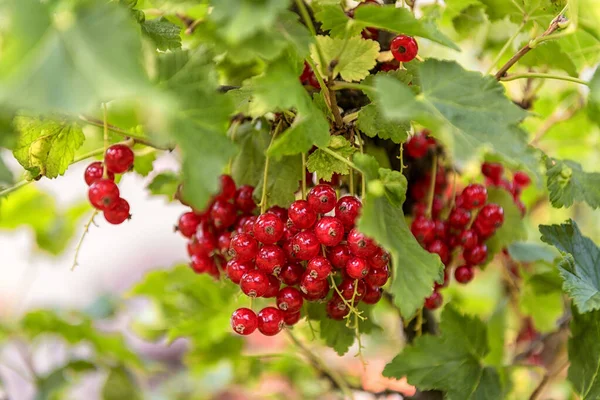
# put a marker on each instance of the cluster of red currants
(209, 231)
(103, 192)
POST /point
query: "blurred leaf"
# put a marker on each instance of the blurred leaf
(6, 176)
(165, 34)
(334, 333)
(530, 252)
(543, 288)
(584, 354)
(513, 228)
(372, 123)
(310, 128)
(334, 19)
(253, 140)
(496, 328)
(143, 163)
(539, 11)
(549, 54)
(53, 385)
(353, 64)
(120, 385)
(568, 182)
(165, 183)
(325, 165)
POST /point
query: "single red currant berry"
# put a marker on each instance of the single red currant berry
(270, 259)
(357, 268)
(474, 196)
(236, 269)
(243, 247)
(310, 285)
(347, 210)
(223, 214)
(202, 243)
(119, 213)
(280, 212)
(338, 255)
(493, 171)
(227, 186)
(244, 321)
(254, 283)
(476, 255)
(404, 48)
(289, 299)
(290, 253)
(247, 226)
(491, 215)
(417, 146)
(434, 301)
(347, 288)
(201, 263)
(441, 229)
(337, 308)
(94, 172)
(302, 215)
(317, 296)
(521, 179)
(464, 274)
(360, 245)
(453, 241)
(273, 288)
(319, 268)
(459, 218)
(223, 242)
(380, 259)
(268, 228)
(118, 158)
(468, 239)
(322, 198)
(378, 276)
(291, 318)
(188, 223)
(270, 321)
(306, 245)
(244, 200)
(103, 194)
(372, 295)
(329, 231)
(423, 229)
(291, 274)
(436, 207)
(438, 247)
(483, 231)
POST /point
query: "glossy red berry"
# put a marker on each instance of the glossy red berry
(268, 228)
(202, 263)
(273, 289)
(244, 321)
(329, 231)
(474, 196)
(476, 255)
(417, 146)
(270, 321)
(434, 301)
(493, 171)
(347, 288)
(423, 229)
(227, 186)
(270, 259)
(119, 213)
(243, 247)
(483, 231)
(360, 245)
(316, 296)
(338, 255)
(223, 214)
(203, 242)
(372, 295)
(290, 299)
(347, 210)
(247, 224)
(288, 249)
(235, 269)
(322, 198)
(118, 158)
(302, 215)
(291, 318)
(95, 171)
(491, 215)
(377, 276)
(380, 259)
(280, 212)
(464, 274)
(439, 247)
(468, 239)
(224, 242)
(459, 218)
(306, 245)
(441, 229)
(254, 283)
(291, 273)
(357, 268)
(310, 285)
(188, 223)
(404, 48)
(103, 194)
(244, 200)
(521, 179)
(319, 268)
(337, 308)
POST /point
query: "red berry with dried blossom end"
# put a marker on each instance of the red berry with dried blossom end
(254, 283)
(118, 158)
(491, 215)
(223, 214)
(95, 171)
(360, 245)
(337, 308)
(236, 269)
(291, 318)
(459, 218)
(244, 321)
(270, 259)
(243, 247)
(380, 259)
(373, 295)
(404, 48)
(268, 228)
(244, 200)
(270, 321)
(476, 255)
(310, 285)
(464, 274)
(319, 267)
(417, 146)
(347, 210)
(468, 239)
(103, 194)
(474, 196)
(357, 268)
(521, 179)
(306, 245)
(377, 276)
(302, 215)
(434, 301)
(423, 229)
(273, 288)
(322, 198)
(188, 223)
(347, 286)
(329, 231)
(291, 273)
(119, 213)
(338, 255)
(247, 224)
(439, 247)
(289, 299)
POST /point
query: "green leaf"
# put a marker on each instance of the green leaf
(120, 385)
(46, 147)
(550, 54)
(70, 59)
(496, 329)
(325, 165)
(53, 385)
(334, 19)
(530, 252)
(567, 182)
(143, 163)
(451, 362)
(165, 183)
(283, 180)
(353, 64)
(584, 354)
(373, 124)
(513, 228)
(310, 128)
(467, 110)
(165, 34)
(539, 11)
(414, 269)
(542, 288)
(594, 97)
(334, 333)
(253, 140)
(579, 267)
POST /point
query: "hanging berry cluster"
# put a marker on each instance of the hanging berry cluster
(103, 192)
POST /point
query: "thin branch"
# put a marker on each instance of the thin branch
(546, 379)
(85, 232)
(566, 78)
(431, 193)
(15, 187)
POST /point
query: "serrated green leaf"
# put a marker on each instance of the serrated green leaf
(451, 362)
(46, 147)
(530, 252)
(513, 228)
(248, 165)
(120, 385)
(582, 47)
(579, 267)
(165, 183)
(334, 333)
(164, 34)
(325, 165)
(353, 64)
(594, 97)
(584, 354)
(567, 182)
(143, 163)
(291, 29)
(371, 123)
(334, 19)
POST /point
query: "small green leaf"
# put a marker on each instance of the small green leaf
(335, 334)
(165, 183)
(373, 124)
(143, 163)
(584, 354)
(530, 252)
(325, 165)
(334, 19)
(353, 64)
(579, 267)
(549, 54)
(165, 34)
(568, 182)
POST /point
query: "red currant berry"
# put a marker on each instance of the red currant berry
(357, 268)
(236, 269)
(118, 158)
(459, 218)
(436, 207)
(306, 245)
(202, 243)
(377, 276)
(347, 210)
(338, 255)
(476, 255)
(474, 196)
(254, 283)
(223, 214)
(347, 286)
(360, 245)
(244, 321)
(280, 212)
(268, 228)
(289, 299)
(464, 274)
(270, 259)
(322, 198)
(119, 213)
(246, 224)
(493, 171)
(483, 231)
(441, 229)
(290, 253)
(380, 259)
(319, 268)
(223, 242)
(103, 194)
(291, 274)
(419, 190)
(317, 296)
(337, 308)
(419, 209)
(372, 295)
(291, 318)
(310, 285)
(201, 263)
(270, 321)
(329, 231)
(94, 172)
(244, 200)
(273, 289)
(243, 247)
(468, 239)
(417, 146)
(434, 301)
(423, 229)
(188, 223)
(227, 186)
(491, 215)
(404, 48)
(521, 179)
(438, 247)
(302, 215)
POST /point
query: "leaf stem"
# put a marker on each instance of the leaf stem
(543, 76)
(432, 180)
(85, 232)
(401, 157)
(505, 47)
(105, 127)
(363, 179)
